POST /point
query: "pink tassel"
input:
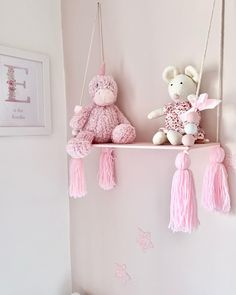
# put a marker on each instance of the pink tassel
(215, 195)
(106, 173)
(183, 208)
(77, 179)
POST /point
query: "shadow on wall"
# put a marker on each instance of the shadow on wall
(210, 84)
(228, 125)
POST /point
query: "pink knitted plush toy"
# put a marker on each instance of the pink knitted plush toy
(101, 121)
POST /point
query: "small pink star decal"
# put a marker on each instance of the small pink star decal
(121, 273)
(144, 240)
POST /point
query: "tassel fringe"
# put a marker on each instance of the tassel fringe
(77, 187)
(106, 174)
(183, 208)
(215, 193)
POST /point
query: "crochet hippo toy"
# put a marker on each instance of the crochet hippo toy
(180, 86)
(101, 121)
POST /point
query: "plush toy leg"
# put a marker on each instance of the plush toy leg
(215, 195)
(174, 137)
(188, 140)
(123, 133)
(80, 146)
(183, 208)
(106, 175)
(77, 187)
(159, 138)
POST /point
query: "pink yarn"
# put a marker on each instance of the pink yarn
(103, 120)
(102, 124)
(80, 146)
(77, 179)
(99, 122)
(183, 208)
(123, 133)
(106, 174)
(215, 194)
(102, 69)
(102, 82)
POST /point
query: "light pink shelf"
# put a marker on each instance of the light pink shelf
(150, 146)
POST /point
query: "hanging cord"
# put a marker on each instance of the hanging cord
(205, 49)
(221, 62)
(221, 69)
(101, 32)
(97, 20)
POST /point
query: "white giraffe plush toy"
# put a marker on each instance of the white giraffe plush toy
(180, 86)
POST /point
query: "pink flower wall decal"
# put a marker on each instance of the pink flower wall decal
(121, 273)
(144, 240)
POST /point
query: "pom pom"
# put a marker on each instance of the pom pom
(215, 193)
(190, 128)
(217, 155)
(123, 133)
(106, 174)
(77, 179)
(183, 208)
(77, 109)
(182, 161)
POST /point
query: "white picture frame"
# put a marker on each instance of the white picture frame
(25, 102)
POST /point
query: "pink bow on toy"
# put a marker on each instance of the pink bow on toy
(200, 103)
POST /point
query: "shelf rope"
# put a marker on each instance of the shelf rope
(221, 61)
(221, 70)
(97, 22)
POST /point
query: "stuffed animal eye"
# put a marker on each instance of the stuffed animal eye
(97, 85)
(171, 84)
(181, 82)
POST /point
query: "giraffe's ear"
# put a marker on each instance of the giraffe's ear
(192, 73)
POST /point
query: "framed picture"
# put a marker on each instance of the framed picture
(24, 93)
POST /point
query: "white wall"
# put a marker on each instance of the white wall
(141, 38)
(34, 219)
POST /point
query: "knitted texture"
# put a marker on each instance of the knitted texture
(103, 120)
(102, 82)
(99, 124)
(80, 146)
(123, 133)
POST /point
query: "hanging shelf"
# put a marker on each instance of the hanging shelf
(150, 146)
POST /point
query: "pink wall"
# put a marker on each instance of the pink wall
(141, 38)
